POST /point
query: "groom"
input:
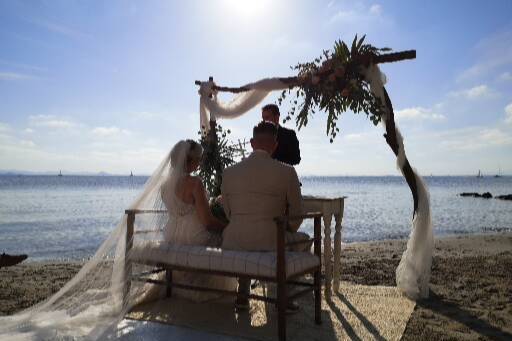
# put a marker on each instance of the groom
(255, 191)
(287, 150)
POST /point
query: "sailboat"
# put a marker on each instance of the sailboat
(131, 173)
(479, 175)
(60, 173)
(499, 174)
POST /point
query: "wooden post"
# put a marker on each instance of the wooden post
(364, 59)
(282, 298)
(128, 265)
(168, 278)
(317, 279)
(338, 217)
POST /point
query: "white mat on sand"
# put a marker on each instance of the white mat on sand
(356, 312)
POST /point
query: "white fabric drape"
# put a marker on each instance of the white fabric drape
(413, 272)
(210, 107)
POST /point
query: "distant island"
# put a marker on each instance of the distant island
(64, 173)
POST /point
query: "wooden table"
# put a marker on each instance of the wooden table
(330, 207)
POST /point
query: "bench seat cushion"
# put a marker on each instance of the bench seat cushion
(206, 258)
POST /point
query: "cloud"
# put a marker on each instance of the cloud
(109, 131)
(23, 66)
(50, 121)
(359, 15)
(28, 130)
(60, 29)
(376, 9)
(508, 114)
(27, 143)
(505, 76)
(14, 76)
(4, 128)
(474, 138)
(494, 52)
(475, 93)
(419, 113)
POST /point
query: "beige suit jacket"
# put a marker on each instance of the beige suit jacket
(255, 191)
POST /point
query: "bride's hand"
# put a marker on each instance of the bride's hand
(219, 200)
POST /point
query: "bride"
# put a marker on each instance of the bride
(191, 221)
(91, 305)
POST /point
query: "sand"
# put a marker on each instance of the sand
(471, 285)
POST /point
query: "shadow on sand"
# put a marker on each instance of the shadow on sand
(454, 312)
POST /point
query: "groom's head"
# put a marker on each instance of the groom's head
(264, 137)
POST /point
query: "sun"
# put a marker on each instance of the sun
(247, 8)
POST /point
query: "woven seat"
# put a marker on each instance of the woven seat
(258, 264)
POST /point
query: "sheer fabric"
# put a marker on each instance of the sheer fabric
(210, 107)
(92, 303)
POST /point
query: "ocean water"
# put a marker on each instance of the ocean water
(50, 217)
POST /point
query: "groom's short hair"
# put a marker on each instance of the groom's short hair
(274, 109)
(265, 128)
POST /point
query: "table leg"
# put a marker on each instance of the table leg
(327, 254)
(337, 251)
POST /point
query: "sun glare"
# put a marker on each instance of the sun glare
(247, 8)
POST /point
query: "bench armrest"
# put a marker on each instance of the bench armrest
(307, 215)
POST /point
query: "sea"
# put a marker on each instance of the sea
(67, 217)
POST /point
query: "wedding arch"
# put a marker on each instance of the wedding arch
(340, 80)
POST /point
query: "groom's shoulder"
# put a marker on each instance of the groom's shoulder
(286, 131)
(284, 167)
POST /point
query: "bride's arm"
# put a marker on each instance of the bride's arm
(203, 209)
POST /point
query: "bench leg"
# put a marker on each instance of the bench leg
(168, 279)
(318, 297)
(282, 302)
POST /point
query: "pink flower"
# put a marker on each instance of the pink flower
(339, 72)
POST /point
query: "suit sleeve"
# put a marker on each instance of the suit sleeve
(295, 149)
(294, 198)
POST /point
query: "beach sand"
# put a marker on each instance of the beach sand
(471, 284)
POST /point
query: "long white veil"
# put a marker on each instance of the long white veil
(92, 303)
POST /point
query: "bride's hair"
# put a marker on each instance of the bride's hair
(195, 151)
(192, 150)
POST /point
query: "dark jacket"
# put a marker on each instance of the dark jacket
(288, 147)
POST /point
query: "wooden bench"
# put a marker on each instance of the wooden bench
(281, 267)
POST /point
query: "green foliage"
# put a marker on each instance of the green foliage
(218, 211)
(333, 83)
(218, 153)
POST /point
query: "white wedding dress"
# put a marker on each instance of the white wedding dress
(185, 228)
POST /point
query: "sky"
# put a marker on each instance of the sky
(90, 86)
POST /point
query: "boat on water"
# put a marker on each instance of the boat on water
(479, 175)
(499, 174)
(131, 173)
(60, 173)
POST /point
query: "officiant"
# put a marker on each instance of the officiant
(287, 150)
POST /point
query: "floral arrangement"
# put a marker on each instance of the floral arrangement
(333, 83)
(218, 153)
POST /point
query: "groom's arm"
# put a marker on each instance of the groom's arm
(225, 200)
(294, 150)
(294, 198)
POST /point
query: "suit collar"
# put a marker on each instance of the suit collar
(259, 153)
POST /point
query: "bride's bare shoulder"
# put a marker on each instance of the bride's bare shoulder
(195, 181)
